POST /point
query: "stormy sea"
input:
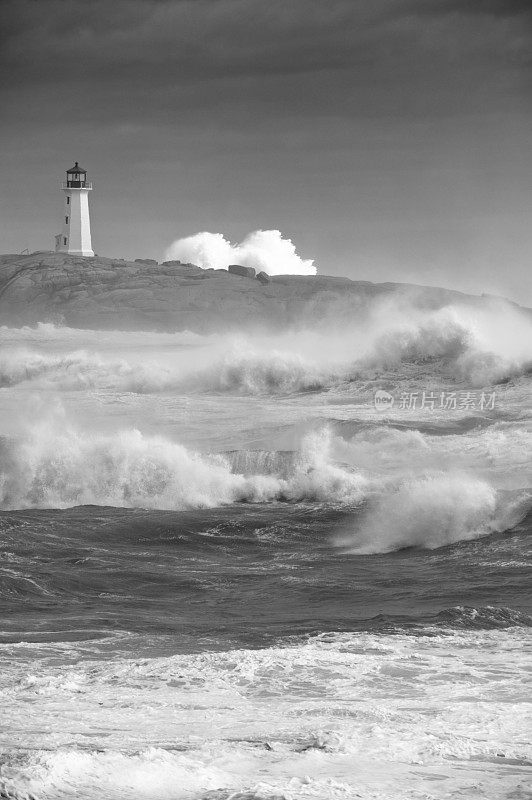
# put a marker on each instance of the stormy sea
(244, 566)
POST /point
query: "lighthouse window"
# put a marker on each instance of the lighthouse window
(64, 240)
(66, 220)
(68, 201)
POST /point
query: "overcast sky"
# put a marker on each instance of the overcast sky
(389, 139)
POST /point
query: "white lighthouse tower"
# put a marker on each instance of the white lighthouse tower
(76, 235)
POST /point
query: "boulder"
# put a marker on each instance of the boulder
(263, 277)
(238, 269)
(146, 261)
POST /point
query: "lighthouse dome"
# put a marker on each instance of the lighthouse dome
(76, 169)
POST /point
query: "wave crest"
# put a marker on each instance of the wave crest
(250, 373)
(482, 346)
(76, 370)
(59, 469)
(263, 373)
(434, 511)
(484, 618)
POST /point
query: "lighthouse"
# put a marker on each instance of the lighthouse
(75, 237)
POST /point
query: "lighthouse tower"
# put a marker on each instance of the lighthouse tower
(76, 235)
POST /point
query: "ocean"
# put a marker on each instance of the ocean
(240, 567)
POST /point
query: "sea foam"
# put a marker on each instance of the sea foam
(335, 717)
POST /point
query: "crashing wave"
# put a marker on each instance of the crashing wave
(52, 468)
(482, 346)
(434, 511)
(264, 373)
(242, 373)
(76, 370)
(58, 469)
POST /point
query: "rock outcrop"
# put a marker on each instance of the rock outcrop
(238, 269)
(105, 293)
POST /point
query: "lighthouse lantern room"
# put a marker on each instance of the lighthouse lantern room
(75, 237)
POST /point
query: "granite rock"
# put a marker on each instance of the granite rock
(105, 293)
(238, 269)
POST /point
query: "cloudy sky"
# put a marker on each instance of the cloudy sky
(389, 139)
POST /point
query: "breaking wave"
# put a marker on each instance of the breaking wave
(247, 373)
(274, 373)
(58, 469)
(482, 345)
(264, 373)
(450, 343)
(434, 511)
(76, 370)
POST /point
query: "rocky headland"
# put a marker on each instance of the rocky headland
(105, 294)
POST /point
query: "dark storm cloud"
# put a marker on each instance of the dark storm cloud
(182, 40)
(238, 62)
(179, 41)
(503, 8)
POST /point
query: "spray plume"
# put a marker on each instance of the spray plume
(266, 251)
